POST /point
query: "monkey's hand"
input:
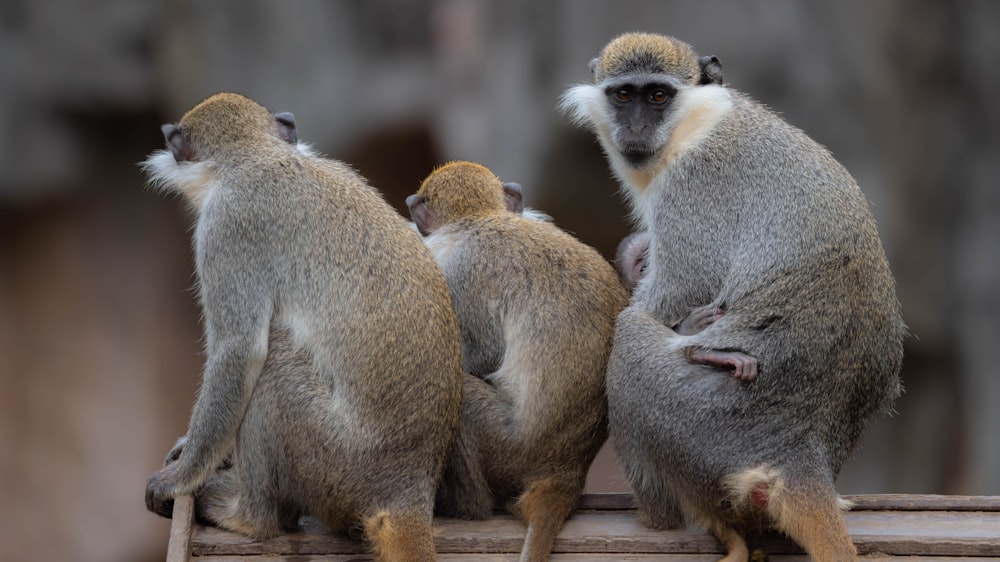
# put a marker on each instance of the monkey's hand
(161, 489)
(698, 320)
(175, 452)
(159, 497)
(178, 448)
(743, 366)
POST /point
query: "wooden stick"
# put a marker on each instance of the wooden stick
(179, 547)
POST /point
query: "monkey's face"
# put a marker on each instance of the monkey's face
(637, 79)
(632, 259)
(638, 109)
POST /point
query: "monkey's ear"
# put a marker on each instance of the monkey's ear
(175, 142)
(711, 70)
(512, 192)
(286, 127)
(593, 65)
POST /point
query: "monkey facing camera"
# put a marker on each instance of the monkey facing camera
(304, 273)
(536, 309)
(741, 420)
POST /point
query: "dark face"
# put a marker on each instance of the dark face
(638, 110)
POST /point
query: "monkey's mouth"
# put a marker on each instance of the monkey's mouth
(637, 155)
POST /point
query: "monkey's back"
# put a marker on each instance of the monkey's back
(365, 377)
(541, 338)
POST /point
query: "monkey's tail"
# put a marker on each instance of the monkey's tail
(399, 537)
(803, 506)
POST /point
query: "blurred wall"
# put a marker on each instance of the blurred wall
(99, 330)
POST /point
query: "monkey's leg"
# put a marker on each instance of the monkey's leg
(229, 502)
(634, 438)
(401, 537)
(736, 547)
(545, 505)
(743, 366)
(464, 491)
(811, 514)
(658, 509)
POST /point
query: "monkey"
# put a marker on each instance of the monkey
(536, 309)
(631, 260)
(333, 372)
(748, 214)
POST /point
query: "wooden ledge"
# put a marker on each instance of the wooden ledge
(605, 528)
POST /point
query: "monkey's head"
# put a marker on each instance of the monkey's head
(632, 259)
(637, 78)
(224, 129)
(227, 125)
(459, 190)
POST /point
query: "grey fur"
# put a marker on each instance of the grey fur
(758, 220)
(333, 373)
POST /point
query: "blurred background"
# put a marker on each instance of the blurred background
(100, 350)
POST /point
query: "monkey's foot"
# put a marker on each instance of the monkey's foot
(743, 366)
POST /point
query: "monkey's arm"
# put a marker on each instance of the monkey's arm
(237, 322)
(637, 333)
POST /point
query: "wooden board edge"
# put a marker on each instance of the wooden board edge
(179, 545)
(861, 502)
(923, 502)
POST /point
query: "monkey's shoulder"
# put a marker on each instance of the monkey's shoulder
(548, 261)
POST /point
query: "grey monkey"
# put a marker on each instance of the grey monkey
(333, 373)
(748, 214)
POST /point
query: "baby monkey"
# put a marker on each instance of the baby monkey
(536, 309)
(632, 264)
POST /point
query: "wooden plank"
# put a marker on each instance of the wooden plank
(879, 502)
(935, 533)
(926, 502)
(594, 558)
(181, 524)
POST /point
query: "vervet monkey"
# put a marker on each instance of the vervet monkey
(333, 373)
(536, 309)
(631, 259)
(746, 214)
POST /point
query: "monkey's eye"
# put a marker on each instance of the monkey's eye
(623, 95)
(658, 96)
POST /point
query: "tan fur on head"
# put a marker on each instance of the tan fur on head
(472, 190)
(228, 123)
(647, 53)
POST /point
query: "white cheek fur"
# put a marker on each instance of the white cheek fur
(194, 180)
